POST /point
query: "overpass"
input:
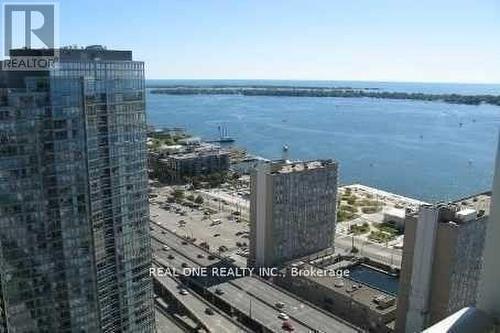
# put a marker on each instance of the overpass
(249, 297)
(196, 306)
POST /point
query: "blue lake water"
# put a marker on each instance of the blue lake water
(427, 150)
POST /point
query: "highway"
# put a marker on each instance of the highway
(250, 295)
(164, 324)
(218, 322)
(263, 313)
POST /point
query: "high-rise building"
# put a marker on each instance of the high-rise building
(489, 291)
(485, 316)
(292, 210)
(441, 261)
(74, 236)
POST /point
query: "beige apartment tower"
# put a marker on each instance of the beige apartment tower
(441, 261)
(292, 210)
(489, 290)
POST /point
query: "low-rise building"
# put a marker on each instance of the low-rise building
(395, 216)
(327, 283)
(177, 168)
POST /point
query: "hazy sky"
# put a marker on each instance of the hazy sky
(388, 40)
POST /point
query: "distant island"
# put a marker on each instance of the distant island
(287, 91)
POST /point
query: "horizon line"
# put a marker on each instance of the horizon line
(326, 80)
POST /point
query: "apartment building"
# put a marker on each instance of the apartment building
(292, 210)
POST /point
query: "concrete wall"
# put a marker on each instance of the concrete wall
(337, 303)
(489, 291)
(406, 272)
(419, 295)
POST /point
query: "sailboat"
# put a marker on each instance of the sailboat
(224, 135)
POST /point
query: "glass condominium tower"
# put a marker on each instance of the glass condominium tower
(74, 235)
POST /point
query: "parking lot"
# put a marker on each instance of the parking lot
(212, 225)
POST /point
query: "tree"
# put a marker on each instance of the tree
(199, 200)
(179, 194)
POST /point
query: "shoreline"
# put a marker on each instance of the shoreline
(339, 92)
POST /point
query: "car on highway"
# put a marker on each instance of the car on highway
(287, 326)
(183, 292)
(184, 265)
(209, 311)
(279, 305)
(283, 316)
(165, 248)
(219, 291)
(211, 257)
(216, 222)
(170, 256)
(201, 256)
(216, 235)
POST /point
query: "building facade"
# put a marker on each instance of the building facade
(442, 260)
(292, 210)
(74, 236)
(180, 167)
(489, 292)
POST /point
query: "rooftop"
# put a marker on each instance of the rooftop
(89, 53)
(375, 299)
(288, 167)
(464, 210)
(197, 154)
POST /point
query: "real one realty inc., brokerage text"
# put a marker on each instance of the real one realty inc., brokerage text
(245, 271)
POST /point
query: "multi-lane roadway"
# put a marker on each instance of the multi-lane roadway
(214, 321)
(255, 298)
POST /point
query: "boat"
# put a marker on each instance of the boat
(223, 136)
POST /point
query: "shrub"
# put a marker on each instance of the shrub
(199, 200)
(370, 209)
(351, 200)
